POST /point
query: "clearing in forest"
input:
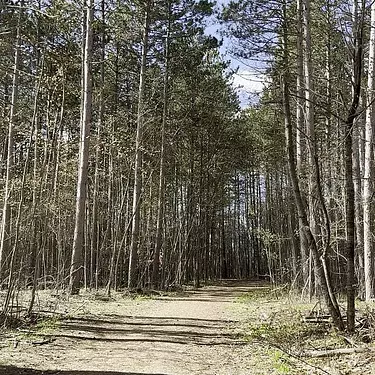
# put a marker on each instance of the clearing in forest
(232, 328)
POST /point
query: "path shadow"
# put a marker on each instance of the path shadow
(147, 329)
(168, 339)
(147, 321)
(163, 318)
(12, 370)
(204, 333)
(159, 329)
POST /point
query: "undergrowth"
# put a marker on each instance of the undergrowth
(278, 323)
(47, 325)
(281, 363)
(254, 295)
(41, 327)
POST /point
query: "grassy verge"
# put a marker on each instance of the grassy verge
(277, 323)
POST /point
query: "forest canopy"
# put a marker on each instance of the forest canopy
(128, 160)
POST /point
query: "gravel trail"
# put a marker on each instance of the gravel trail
(192, 333)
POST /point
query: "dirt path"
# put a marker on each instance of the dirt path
(193, 333)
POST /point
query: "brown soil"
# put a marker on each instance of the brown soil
(190, 333)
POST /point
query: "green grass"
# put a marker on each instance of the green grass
(276, 322)
(279, 322)
(283, 332)
(255, 295)
(47, 325)
(281, 362)
(43, 327)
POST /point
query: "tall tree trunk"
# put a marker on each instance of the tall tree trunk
(315, 182)
(357, 54)
(357, 181)
(300, 135)
(5, 224)
(35, 196)
(12, 282)
(310, 125)
(334, 311)
(78, 241)
(367, 185)
(161, 193)
(136, 216)
(94, 243)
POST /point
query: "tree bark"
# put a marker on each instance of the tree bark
(299, 135)
(136, 212)
(78, 241)
(161, 193)
(367, 185)
(334, 311)
(5, 224)
(357, 54)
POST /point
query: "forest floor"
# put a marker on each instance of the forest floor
(231, 328)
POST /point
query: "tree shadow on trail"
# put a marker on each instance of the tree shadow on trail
(181, 330)
(145, 329)
(11, 370)
(139, 321)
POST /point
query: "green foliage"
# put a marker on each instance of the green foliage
(44, 326)
(264, 133)
(208, 141)
(280, 362)
(267, 236)
(284, 327)
(255, 294)
(281, 332)
(47, 325)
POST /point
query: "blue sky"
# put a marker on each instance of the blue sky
(248, 82)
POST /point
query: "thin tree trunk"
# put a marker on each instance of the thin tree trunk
(161, 194)
(310, 125)
(95, 217)
(160, 214)
(335, 313)
(367, 185)
(357, 181)
(5, 224)
(77, 252)
(12, 284)
(36, 177)
(299, 135)
(348, 163)
(136, 216)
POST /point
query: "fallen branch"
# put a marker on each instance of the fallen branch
(317, 319)
(333, 352)
(48, 340)
(298, 358)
